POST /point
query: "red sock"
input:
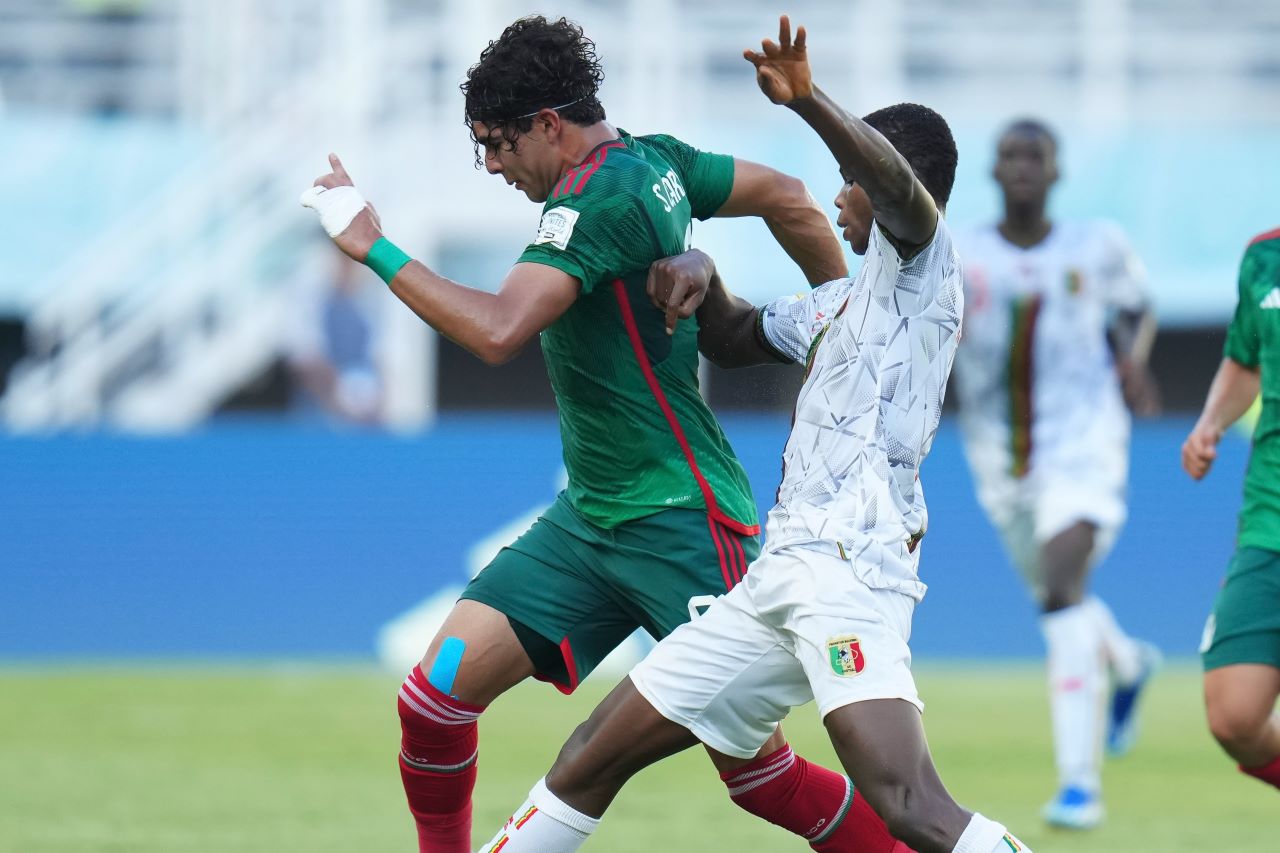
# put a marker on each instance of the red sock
(438, 751)
(813, 802)
(1269, 773)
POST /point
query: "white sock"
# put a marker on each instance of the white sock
(543, 824)
(983, 835)
(1121, 650)
(1077, 689)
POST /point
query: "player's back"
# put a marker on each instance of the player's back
(879, 350)
(638, 437)
(1035, 372)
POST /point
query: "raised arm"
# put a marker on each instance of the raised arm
(491, 326)
(792, 215)
(900, 203)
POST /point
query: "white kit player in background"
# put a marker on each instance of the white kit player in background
(1057, 331)
(824, 614)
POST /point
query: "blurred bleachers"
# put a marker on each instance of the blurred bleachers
(156, 242)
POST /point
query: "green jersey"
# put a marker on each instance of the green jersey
(638, 437)
(1253, 340)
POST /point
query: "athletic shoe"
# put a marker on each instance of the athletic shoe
(1074, 808)
(1122, 724)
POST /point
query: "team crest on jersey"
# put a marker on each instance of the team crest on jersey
(1075, 282)
(846, 655)
(556, 226)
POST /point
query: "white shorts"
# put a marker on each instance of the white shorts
(800, 626)
(1052, 497)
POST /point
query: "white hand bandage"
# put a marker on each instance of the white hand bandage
(337, 206)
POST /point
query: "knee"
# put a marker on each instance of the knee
(913, 813)
(571, 770)
(1234, 725)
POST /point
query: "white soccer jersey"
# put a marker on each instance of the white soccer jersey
(878, 349)
(1035, 376)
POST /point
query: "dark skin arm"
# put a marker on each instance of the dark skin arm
(900, 203)
(727, 324)
(1130, 336)
(492, 326)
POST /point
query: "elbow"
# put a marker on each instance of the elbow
(500, 348)
(792, 200)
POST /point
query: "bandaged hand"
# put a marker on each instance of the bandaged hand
(344, 213)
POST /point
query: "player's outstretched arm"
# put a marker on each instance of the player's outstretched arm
(899, 202)
(492, 326)
(792, 215)
(727, 325)
(1233, 391)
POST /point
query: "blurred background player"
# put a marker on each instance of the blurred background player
(334, 353)
(1241, 645)
(658, 515)
(1057, 330)
(825, 614)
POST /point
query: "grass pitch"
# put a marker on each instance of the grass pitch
(300, 758)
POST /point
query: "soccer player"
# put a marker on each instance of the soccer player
(1241, 645)
(825, 612)
(1057, 331)
(657, 518)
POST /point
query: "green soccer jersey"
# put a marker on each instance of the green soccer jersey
(638, 437)
(1253, 340)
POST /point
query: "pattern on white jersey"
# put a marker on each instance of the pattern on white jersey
(878, 350)
(1036, 382)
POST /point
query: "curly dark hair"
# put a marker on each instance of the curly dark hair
(924, 139)
(534, 64)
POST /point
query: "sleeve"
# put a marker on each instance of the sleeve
(708, 178)
(791, 324)
(1243, 341)
(1124, 277)
(593, 240)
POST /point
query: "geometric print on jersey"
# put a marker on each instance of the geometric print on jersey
(869, 408)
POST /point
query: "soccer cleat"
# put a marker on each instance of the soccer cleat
(1074, 808)
(1122, 722)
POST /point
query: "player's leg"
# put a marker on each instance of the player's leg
(721, 678)
(528, 613)
(1077, 676)
(1077, 519)
(1241, 654)
(851, 641)
(702, 557)
(882, 745)
(1240, 702)
(474, 658)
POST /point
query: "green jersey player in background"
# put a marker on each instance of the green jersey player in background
(1241, 645)
(658, 517)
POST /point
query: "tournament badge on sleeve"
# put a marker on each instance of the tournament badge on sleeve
(846, 656)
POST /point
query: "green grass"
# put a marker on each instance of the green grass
(285, 759)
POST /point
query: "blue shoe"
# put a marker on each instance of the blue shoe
(1074, 808)
(1122, 725)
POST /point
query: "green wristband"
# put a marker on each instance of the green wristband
(386, 259)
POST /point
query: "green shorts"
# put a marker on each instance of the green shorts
(1244, 626)
(573, 591)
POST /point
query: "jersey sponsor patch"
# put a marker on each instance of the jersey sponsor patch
(846, 656)
(556, 226)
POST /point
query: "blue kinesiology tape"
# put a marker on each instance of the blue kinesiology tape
(445, 668)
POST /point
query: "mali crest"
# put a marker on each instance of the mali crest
(846, 656)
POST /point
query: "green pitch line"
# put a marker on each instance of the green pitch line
(271, 759)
